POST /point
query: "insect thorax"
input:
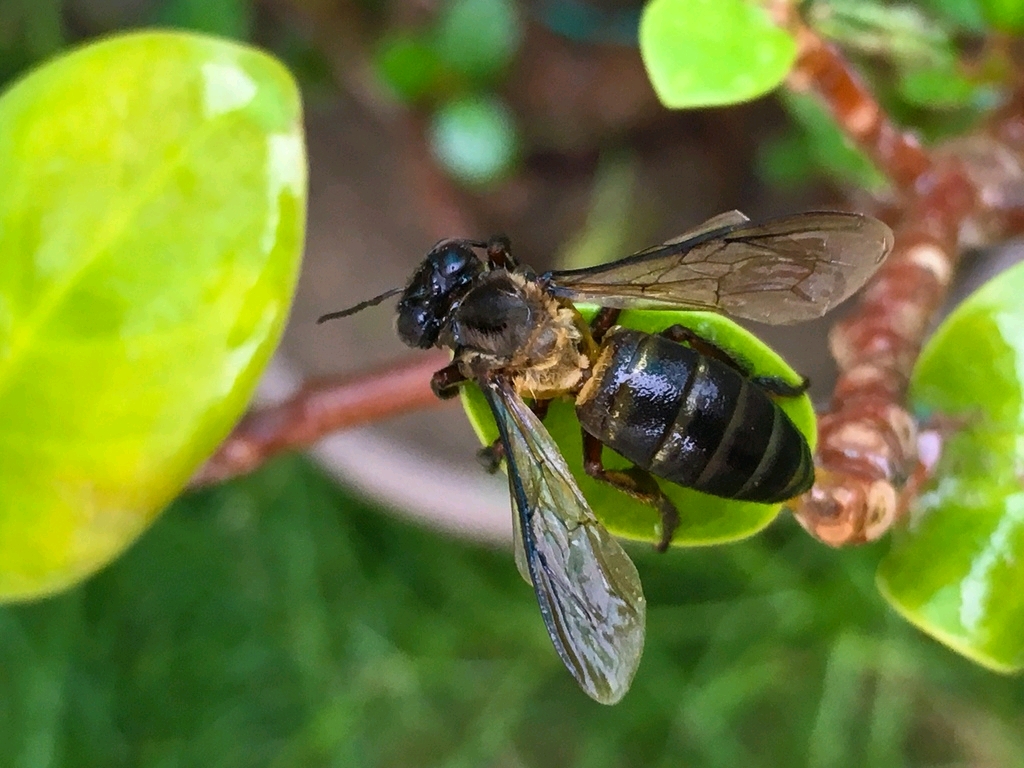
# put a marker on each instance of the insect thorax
(509, 324)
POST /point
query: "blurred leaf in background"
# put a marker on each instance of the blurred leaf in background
(1004, 15)
(452, 67)
(30, 30)
(466, 49)
(919, 46)
(967, 15)
(815, 145)
(903, 33)
(474, 139)
(478, 38)
(912, 55)
(227, 18)
(409, 65)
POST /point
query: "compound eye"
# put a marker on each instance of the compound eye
(454, 260)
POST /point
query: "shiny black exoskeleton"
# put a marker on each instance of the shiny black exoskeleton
(694, 420)
(444, 276)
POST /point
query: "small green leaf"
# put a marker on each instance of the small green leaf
(29, 32)
(786, 161)
(474, 139)
(826, 145)
(957, 568)
(966, 15)
(704, 519)
(940, 87)
(702, 53)
(409, 65)
(478, 38)
(152, 208)
(1004, 15)
(903, 34)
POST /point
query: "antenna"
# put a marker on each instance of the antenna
(359, 307)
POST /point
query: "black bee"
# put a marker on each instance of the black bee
(673, 404)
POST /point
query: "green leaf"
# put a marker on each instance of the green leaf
(704, 519)
(966, 15)
(939, 87)
(478, 38)
(29, 32)
(152, 208)
(957, 568)
(702, 53)
(474, 139)
(903, 34)
(409, 65)
(824, 145)
(786, 161)
(1004, 15)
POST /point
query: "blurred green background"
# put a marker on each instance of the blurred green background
(278, 621)
(281, 621)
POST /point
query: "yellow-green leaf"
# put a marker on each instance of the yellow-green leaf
(152, 206)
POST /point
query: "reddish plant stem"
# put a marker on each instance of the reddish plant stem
(821, 69)
(866, 460)
(322, 407)
(867, 441)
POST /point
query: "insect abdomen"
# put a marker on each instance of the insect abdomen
(693, 420)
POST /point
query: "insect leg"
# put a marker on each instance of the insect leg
(445, 382)
(773, 385)
(637, 482)
(592, 333)
(491, 456)
(499, 253)
(603, 321)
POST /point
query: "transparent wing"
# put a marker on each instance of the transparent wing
(519, 548)
(781, 271)
(722, 221)
(587, 587)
